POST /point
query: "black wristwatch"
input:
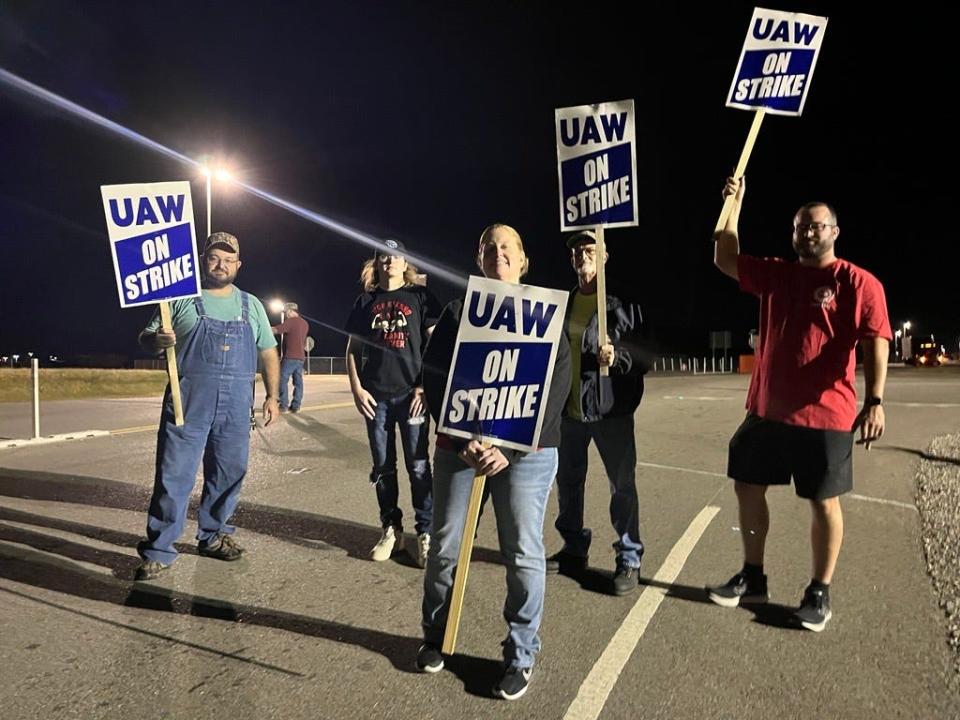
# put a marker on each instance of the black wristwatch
(872, 401)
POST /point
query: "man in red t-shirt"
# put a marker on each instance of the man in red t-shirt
(294, 331)
(802, 405)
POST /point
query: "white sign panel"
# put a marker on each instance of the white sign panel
(597, 165)
(153, 241)
(503, 362)
(777, 62)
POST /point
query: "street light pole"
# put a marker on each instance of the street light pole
(209, 201)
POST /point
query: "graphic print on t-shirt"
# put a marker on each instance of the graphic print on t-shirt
(824, 297)
(390, 318)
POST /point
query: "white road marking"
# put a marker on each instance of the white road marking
(852, 496)
(595, 689)
(882, 501)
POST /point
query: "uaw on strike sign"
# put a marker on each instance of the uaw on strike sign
(777, 62)
(151, 233)
(597, 165)
(499, 380)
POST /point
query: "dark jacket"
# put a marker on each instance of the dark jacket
(436, 366)
(620, 392)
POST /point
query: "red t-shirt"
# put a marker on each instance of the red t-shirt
(810, 322)
(294, 331)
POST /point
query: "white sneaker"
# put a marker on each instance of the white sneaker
(423, 547)
(384, 547)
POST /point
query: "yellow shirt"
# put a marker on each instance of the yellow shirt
(583, 309)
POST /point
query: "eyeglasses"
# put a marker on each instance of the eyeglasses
(585, 251)
(213, 260)
(802, 228)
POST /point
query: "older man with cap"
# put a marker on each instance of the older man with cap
(599, 408)
(218, 337)
(294, 331)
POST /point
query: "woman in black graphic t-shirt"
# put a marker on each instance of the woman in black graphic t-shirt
(388, 329)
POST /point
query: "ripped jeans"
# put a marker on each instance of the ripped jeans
(392, 414)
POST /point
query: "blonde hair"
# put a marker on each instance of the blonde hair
(486, 239)
(368, 275)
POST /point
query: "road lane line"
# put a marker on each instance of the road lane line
(852, 496)
(882, 501)
(602, 678)
(682, 469)
(146, 428)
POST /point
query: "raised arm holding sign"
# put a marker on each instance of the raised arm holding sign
(773, 75)
(496, 375)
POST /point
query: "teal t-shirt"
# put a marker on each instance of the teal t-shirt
(183, 313)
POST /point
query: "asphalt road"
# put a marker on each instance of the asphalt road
(306, 627)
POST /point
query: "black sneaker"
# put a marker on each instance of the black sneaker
(222, 547)
(740, 589)
(294, 408)
(566, 562)
(514, 683)
(150, 569)
(814, 610)
(429, 659)
(625, 579)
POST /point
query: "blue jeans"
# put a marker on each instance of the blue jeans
(519, 495)
(217, 360)
(381, 431)
(290, 367)
(618, 450)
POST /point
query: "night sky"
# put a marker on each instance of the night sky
(426, 122)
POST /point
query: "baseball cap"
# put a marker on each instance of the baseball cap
(391, 247)
(223, 240)
(579, 238)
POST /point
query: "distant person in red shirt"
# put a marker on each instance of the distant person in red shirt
(802, 404)
(294, 330)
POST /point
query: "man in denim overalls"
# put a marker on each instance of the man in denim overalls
(218, 337)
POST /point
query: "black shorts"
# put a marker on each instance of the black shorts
(764, 452)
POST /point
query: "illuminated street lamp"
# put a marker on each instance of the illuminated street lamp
(222, 175)
(277, 305)
(903, 339)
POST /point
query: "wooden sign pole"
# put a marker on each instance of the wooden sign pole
(463, 564)
(601, 295)
(741, 167)
(167, 325)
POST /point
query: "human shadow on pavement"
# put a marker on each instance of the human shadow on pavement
(477, 674)
(61, 576)
(601, 581)
(292, 526)
(772, 614)
(333, 442)
(113, 537)
(592, 579)
(921, 454)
